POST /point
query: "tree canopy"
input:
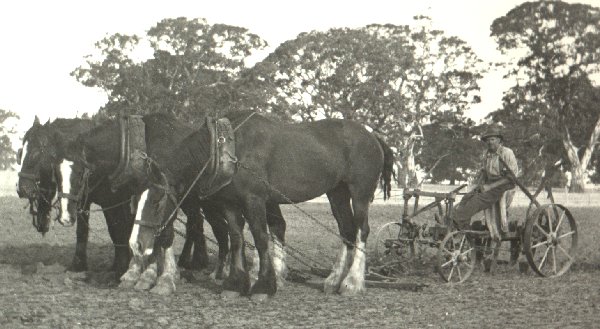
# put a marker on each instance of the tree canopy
(554, 103)
(392, 78)
(192, 69)
(7, 154)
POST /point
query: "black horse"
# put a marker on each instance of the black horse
(45, 148)
(98, 152)
(276, 164)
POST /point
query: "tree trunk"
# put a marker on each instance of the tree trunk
(578, 176)
(408, 172)
(579, 165)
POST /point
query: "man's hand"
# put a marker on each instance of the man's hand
(487, 187)
(475, 189)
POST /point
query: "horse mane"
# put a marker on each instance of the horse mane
(69, 128)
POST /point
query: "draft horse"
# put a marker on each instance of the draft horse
(45, 151)
(97, 153)
(42, 155)
(278, 164)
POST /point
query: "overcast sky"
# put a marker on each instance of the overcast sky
(43, 41)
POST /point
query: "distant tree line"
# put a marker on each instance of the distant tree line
(7, 154)
(410, 84)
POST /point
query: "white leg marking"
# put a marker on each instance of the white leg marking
(65, 171)
(148, 251)
(165, 284)
(148, 277)
(130, 277)
(133, 238)
(355, 280)
(170, 263)
(332, 282)
(278, 258)
(253, 273)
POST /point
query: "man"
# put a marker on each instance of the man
(492, 181)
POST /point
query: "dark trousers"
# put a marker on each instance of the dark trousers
(474, 202)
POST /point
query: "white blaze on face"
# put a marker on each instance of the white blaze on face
(135, 232)
(20, 160)
(23, 154)
(65, 171)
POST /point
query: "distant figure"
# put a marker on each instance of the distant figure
(491, 182)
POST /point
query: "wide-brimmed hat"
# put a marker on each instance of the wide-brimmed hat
(492, 132)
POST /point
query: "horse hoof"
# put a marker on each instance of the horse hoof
(229, 294)
(351, 288)
(259, 298)
(127, 284)
(329, 289)
(164, 288)
(143, 285)
(351, 292)
(280, 283)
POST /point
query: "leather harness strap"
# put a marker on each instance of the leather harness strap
(223, 163)
(146, 224)
(133, 143)
(28, 176)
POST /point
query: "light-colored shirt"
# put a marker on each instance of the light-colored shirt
(492, 167)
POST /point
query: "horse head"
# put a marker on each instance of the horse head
(38, 177)
(155, 208)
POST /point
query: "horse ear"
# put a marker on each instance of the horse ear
(36, 121)
(47, 122)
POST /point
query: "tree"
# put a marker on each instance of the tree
(392, 78)
(451, 145)
(192, 71)
(559, 48)
(7, 154)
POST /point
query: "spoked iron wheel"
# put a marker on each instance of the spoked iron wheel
(394, 249)
(550, 240)
(456, 257)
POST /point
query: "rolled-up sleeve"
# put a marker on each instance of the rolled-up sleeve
(509, 157)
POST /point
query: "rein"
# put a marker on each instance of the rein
(85, 191)
(171, 218)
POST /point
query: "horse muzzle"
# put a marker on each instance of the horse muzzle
(26, 190)
(66, 218)
(41, 222)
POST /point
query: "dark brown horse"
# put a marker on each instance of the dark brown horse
(98, 151)
(46, 149)
(279, 164)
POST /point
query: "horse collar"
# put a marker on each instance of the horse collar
(223, 162)
(133, 145)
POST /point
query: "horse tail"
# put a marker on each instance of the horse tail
(388, 168)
